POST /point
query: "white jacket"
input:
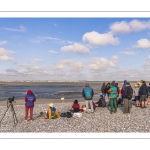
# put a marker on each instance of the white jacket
(136, 91)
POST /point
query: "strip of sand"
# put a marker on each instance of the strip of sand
(41, 101)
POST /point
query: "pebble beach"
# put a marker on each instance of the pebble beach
(99, 121)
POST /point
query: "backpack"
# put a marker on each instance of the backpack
(63, 114)
(129, 93)
(87, 93)
(68, 114)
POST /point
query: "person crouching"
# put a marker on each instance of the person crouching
(51, 112)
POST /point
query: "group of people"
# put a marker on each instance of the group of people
(124, 94)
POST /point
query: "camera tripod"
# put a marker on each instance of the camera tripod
(13, 113)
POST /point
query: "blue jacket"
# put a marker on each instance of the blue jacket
(29, 98)
(91, 93)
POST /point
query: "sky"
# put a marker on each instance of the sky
(93, 49)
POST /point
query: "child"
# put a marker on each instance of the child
(75, 107)
(101, 102)
(136, 94)
(51, 112)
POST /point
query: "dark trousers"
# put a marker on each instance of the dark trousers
(26, 113)
(127, 105)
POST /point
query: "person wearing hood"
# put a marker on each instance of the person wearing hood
(127, 98)
(113, 98)
(88, 94)
(103, 90)
(143, 92)
(29, 104)
(123, 91)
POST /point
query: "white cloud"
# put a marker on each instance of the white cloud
(100, 64)
(126, 27)
(40, 39)
(114, 59)
(137, 25)
(23, 65)
(52, 51)
(128, 52)
(142, 43)
(35, 60)
(68, 64)
(6, 54)
(96, 39)
(120, 27)
(6, 58)
(3, 43)
(21, 29)
(77, 48)
(34, 68)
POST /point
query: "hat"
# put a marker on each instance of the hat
(51, 105)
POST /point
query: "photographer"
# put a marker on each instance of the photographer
(29, 99)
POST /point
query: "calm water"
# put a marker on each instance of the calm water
(54, 90)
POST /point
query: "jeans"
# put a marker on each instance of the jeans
(104, 94)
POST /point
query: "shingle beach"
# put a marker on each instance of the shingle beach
(100, 121)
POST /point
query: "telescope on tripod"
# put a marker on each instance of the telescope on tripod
(10, 105)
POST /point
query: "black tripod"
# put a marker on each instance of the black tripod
(13, 112)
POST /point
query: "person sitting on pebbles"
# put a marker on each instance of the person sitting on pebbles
(75, 107)
(51, 112)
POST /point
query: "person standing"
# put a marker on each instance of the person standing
(113, 98)
(103, 90)
(148, 101)
(143, 92)
(127, 97)
(107, 92)
(136, 94)
(123, 91)
(88, 94)
(29, 104)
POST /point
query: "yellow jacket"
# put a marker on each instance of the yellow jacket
(49, 112)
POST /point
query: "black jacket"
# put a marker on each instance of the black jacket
(106, 89)
(103, 88)
(128, 90)
(143, 90)
(101, 102)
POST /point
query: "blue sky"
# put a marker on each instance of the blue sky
(74, 48)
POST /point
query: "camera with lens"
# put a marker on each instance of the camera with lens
(10, 100)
